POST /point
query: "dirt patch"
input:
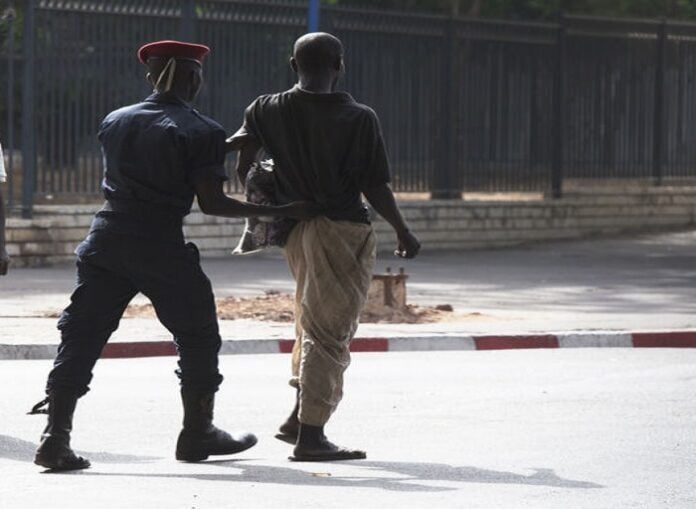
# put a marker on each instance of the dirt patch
(278, 307)
(271, 307)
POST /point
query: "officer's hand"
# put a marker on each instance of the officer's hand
(301, 210)
(4, 262)
(408, 245)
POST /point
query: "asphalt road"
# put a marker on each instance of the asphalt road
(590, 428)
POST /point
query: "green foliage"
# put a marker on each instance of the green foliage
(7, 17)
(538, 9)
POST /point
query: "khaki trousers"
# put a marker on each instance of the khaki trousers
(332, 263)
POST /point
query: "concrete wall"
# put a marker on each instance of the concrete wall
(55, 230)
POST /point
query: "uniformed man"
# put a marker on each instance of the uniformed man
(157, 154)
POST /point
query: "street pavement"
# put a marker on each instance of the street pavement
(589, 428)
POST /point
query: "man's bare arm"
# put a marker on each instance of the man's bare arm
(236, 141)
(382, 200)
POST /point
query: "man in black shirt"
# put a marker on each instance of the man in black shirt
(158, 154)
(329, 149)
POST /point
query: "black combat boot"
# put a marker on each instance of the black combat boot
(54, 452)
(199, 438)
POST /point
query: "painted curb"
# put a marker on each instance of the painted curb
(599, 339)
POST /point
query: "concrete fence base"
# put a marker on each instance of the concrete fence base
(440, 224)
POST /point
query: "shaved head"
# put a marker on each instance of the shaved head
(318, 52)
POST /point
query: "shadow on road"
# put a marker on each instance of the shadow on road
(443, 472)
(21, 450)
(410, 476)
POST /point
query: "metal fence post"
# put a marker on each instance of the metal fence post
(28, 130)
(659, 102)
(10, 16)
(443, 183)
(313, 9)
(187, 29)
(558, 110)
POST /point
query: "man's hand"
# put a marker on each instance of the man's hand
(237, 140)
(408, 246)
(248, 152)
(300, 210)
(382, 200)
(4, 262)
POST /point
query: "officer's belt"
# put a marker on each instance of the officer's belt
(145, 210)
(157, 218)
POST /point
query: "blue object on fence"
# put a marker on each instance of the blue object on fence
(313, 16)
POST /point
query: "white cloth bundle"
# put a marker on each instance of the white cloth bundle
(3, 174)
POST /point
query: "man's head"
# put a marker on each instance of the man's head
(317, 54)
(174, 67)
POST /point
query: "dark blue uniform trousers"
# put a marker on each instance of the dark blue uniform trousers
(111, 270)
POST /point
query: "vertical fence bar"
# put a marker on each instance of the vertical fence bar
(187, 28)
(28, 131)
(659, 102)
(558, 110)
(443, 181)
(10, 16)
(313, 16)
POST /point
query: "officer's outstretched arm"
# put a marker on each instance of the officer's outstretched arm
(213, 201)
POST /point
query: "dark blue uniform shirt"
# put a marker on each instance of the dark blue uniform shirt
(153, 153)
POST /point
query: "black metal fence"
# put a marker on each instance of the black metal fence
(466, 105)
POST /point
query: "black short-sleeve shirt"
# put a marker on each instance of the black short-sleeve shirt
(326, 148)
(153, 153)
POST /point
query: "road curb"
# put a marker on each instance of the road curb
(594, 339)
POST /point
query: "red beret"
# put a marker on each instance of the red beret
(172, 49)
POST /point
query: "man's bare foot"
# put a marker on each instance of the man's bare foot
(289, 430)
